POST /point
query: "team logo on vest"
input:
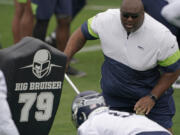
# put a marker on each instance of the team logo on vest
(41, 65)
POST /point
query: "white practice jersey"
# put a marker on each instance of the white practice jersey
(119, 123)
(7, 126)
(142, 50)
(171, 12)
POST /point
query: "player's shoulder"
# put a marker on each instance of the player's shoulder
(96, 124)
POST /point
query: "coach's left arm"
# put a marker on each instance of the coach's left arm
(145, 104)
(168, 61)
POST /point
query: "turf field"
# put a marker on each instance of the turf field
(90, 62)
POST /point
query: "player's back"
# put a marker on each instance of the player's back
(120, 123)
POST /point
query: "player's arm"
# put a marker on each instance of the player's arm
(171, 13)
(7, 126)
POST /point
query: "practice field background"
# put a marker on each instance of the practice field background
(89, 61)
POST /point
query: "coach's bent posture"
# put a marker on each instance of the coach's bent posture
(142, 60)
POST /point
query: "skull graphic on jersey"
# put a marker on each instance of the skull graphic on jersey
(41, 63)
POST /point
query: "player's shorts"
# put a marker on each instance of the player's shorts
(22, 1)
(77, 6)
(44, 9)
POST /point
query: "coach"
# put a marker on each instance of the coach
(142, 60)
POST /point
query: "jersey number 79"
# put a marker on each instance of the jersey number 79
(44, 105)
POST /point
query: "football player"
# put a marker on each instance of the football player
(172, 12)
(92, 117)
(7, 126)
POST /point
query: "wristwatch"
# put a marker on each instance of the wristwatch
(153, 97)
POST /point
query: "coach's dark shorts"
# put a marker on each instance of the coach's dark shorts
(161, 113)
(44, 9)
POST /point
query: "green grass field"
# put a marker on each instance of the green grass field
(90, 62)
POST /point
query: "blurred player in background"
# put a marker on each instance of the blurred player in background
(51, 39)
(155, 8)
(91, 116)
(22, 24)
(7, 126)
(171, 12)
(77, 6)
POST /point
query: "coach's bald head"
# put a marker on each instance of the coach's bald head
(132, 14)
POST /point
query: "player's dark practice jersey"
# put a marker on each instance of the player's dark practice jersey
(34, 73)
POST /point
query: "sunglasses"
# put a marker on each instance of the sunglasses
(127, 15)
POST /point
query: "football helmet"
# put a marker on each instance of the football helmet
(85, 104)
